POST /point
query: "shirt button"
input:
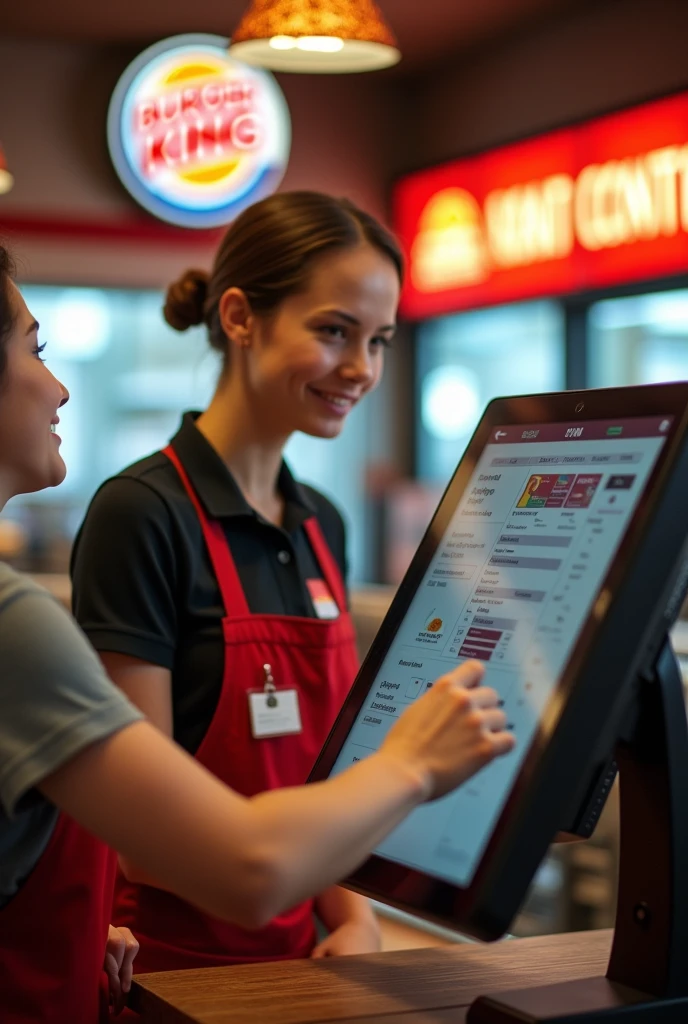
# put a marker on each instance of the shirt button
(284, 557)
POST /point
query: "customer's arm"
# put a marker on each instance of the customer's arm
(69, 733)
(248, 860)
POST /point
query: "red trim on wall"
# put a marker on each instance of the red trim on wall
(125, 230)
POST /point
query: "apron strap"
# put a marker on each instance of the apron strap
(225, 570)
(326, 561)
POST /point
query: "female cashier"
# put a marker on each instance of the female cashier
(206, 571)
(80, 768)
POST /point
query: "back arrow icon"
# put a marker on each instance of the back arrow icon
(500, 433)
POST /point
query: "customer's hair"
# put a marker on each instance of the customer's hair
(7, 316)
(268, 252)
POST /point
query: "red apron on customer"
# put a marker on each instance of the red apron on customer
(315, 657)
(53, 934)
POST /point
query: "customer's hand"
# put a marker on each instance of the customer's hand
(450, 732)
(120, 952)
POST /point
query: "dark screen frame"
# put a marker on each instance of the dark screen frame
(593, 689)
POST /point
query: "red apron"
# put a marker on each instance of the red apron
(318, 659)
(53, 933)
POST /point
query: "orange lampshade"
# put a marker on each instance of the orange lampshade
(6, 179)
(321, 36)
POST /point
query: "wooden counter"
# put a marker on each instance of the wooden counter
(423, 986)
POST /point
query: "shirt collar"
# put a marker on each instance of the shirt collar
(217, 489)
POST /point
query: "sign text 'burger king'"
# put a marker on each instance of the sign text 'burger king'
(195, 136)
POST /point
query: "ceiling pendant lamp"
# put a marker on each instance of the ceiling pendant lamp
(314, 36)
(6, 179)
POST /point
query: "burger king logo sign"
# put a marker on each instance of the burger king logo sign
(194, 136)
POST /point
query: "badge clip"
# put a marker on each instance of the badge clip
(269, 687)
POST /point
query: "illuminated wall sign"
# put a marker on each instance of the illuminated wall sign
(194, 136)
(586, 207)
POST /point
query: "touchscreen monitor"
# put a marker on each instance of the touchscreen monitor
(518, 560)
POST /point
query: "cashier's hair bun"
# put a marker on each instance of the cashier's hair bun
(185, 300)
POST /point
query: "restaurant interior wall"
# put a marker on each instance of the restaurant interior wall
(592, 59)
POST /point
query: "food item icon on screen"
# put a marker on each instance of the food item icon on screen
(583, 490)
(546, 490)
(431, 630)
(530, 493)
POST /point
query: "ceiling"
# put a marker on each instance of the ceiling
(427, 30)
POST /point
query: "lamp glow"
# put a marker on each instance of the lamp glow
(282, 43)
(320, 44)
(314, 36)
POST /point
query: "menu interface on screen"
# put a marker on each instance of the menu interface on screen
(511, 583)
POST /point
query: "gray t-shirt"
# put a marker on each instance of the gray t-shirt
(55, 700)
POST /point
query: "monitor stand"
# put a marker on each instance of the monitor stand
(647, 976)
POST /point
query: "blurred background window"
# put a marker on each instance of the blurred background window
(467, 359)
(462, 362)
(641, 339)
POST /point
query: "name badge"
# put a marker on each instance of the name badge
(273, 712)
(323, 602)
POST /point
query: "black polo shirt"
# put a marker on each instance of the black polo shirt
(143, 583)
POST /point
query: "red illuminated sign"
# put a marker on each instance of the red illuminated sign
(591, 206)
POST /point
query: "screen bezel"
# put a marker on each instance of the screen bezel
(408, 888)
